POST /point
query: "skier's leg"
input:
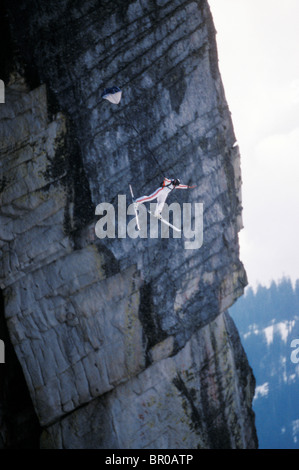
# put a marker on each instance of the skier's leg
(149, 198)
(160, 203)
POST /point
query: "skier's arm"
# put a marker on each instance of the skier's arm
(184, 186)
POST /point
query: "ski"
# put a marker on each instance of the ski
(164, 221)
(135, 207)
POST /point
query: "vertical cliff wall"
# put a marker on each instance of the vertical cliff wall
(115, 334)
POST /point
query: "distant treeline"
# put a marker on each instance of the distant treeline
(268, 322)
(278, 302)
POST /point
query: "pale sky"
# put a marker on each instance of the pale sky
(258, 44)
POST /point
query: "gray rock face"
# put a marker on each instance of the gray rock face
(113, 335)
(189, 398)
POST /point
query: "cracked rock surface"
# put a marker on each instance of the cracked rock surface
(124, 343)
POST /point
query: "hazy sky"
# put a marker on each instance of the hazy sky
(258, 44)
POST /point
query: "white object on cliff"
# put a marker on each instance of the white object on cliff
(112, 94)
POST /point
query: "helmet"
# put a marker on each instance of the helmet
(176, 182)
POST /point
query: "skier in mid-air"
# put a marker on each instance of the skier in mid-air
(114, 95)
(162, 193)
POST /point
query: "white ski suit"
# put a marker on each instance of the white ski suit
(161, 194)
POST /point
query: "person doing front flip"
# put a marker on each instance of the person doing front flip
(162, 193)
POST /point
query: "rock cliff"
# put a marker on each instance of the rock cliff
(123, 343)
